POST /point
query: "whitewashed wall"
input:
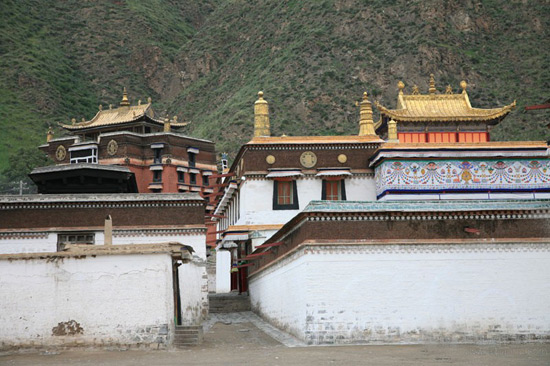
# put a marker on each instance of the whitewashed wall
(193, 282)
(47, 241)
(257, 198)
(409, 294)
(119, 299)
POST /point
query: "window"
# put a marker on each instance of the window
(74, 238)
(157, 176)
(181, 177)
(205, 180)
(192, 158)
(333, 190)
(158, 156)
(84, 156)
(285, 195)
(192, 178)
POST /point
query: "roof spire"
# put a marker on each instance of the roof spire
(261, 116)
(432, 89)
(366, 124)
(124, 102)
(449, 89)
(49, 135)
(463, 85)
(401, 86)
(415, 90)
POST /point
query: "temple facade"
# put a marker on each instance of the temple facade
(126, 149)
(375, 237)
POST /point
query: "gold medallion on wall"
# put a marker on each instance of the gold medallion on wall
(342, 158)
(112, 147)
(270, 159)
(308, 159)
(60, 153)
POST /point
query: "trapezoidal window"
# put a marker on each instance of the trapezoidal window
(285, 195)
(334, 190)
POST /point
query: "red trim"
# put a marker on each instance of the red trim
(283, 179)
(537, 106)
(221, 175)
(270, 245)
(244, 265)
(217, 216)
(254, 255)
(333, 177)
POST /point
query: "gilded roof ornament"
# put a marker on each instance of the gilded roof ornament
(73, 120)
(139, 101)
(463, 85)
(110, 106)
(100, 107)
(149, 100)
(432, 89)
(124, 102)
(261, 117)
(449, 90)
(366, 124)
(415, 90)
(401, 86)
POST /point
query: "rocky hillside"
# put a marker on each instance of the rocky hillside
(205, 60)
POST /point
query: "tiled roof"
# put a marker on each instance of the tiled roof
(120, 115)
(440, 107)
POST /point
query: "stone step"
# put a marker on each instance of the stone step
(187, 335)
(228, 303)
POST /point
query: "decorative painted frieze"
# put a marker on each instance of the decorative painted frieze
(462, 175)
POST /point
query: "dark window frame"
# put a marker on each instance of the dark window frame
(157, 176)
(342, 189)
(193, 178)
(294, 205)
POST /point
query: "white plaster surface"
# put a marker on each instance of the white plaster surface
(409, 294)
(223, 268)
(193, 282)
(119, 299)
(49, 243)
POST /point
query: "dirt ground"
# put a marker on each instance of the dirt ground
(245, 344)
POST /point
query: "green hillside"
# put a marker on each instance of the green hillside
(206, 60)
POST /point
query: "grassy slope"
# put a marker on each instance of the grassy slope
(206, 60)
(314, 59)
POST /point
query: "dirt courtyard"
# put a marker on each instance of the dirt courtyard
(245, 344)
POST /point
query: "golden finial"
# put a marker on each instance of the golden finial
(124, 102)
(432, 89)
(73, 121)
(100, 107)
(110, 106)
(83, 120)
(261, 116)
(139, 101)
(401, 86)
(167, 126)
(149, 100)
(366, 124)
(463, 85)
(449, 89)
(175, 119)
(392, 130)
(49, 135)
(415, 90)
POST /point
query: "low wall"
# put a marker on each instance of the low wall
(87, 300)
(410, 293)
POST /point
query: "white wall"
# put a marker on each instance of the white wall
(257, 198)
(193, 282)
(47, 241)
(118, 299)
(410, 294)
(223, 268)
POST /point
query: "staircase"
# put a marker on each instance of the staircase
(187, 336)
(228, 303)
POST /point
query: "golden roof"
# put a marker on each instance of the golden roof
(126, 113)
(314, 139)
(446, 107)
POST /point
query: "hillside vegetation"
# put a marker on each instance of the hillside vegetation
(205, 61)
